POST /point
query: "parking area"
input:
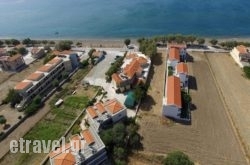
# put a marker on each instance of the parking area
(97, 77)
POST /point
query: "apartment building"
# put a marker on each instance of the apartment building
(85, 148)
(41, 81)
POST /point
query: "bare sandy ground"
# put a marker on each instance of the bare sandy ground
(210, 139)
(236, 93)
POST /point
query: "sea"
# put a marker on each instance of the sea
(79, 19)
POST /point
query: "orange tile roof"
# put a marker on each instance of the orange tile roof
(92, 112)
(131, 68)
(172, 45)
(182, 68)
(113, 106)
(131, 55)
(46, 68)
(65, 159)
(173, 91)
(174, 54)
(55, 61)
(100, 108)
(59, 150)
(116, 78)
(142, 60)
(76, 142)
(65, 52)
(242, 49)
(88, 137)
(23, 85)
(35, 76)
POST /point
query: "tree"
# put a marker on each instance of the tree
(13, 97)
(64, 45)
(140, 92)
(2, 120)
(1, 43)
(7, 42)
(213, 41)
(55, 83)
(91, 51)
(201, 41)
(22, 51)
(44, 42)
(119, 153)
(15, 42)
(246, 70)
(127, 42)
(177, 158)
(26, 41)
(191, 39)
(52, 42)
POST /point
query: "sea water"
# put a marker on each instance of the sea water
(123, 18)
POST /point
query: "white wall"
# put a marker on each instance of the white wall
(171, 111)
(119, 115)
(172, 63)
(235, 54)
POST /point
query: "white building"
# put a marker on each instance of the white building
(173, 57)
(86, 148)
(41, 81)
(181, 71)
(241, 55)
(172, 98)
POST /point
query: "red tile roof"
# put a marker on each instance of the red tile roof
(113, 106)
(172, 45)
(59, 150)
(55, 61)
(92, 112)
(65, 52)
(131, 68)
(142, 60)
(46, 68)
(173, 91)
(88, 137)
(65, 159)
(182, 68)
(76, 142)
(116, 78)
(23, 85)
(174, 54)
(242, 49)
(15, 57)
(35, 76)
(100, 108)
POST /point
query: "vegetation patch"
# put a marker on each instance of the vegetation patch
(246, 70)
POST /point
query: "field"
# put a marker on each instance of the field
(210, 138)
(236, 93)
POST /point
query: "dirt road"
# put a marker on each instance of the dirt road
(210, 139)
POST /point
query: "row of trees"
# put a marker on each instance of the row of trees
(122, 139)
(26, 41)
